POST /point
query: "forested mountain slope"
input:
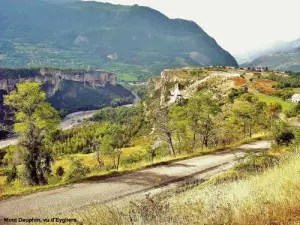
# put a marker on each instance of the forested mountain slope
(133, 41)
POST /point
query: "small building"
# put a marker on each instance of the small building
(296, 98)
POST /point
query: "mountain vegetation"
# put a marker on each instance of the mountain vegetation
(184, 112)
(36, 122)
(133, 41)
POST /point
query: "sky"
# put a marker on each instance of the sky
(239, 26)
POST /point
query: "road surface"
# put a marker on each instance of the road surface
(59, 202)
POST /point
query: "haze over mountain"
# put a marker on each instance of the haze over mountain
(279, 46)
(135, 42)
(285, 56)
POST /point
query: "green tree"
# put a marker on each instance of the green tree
(178, 121)
(201, 110)
(36, 121)
(162, 127)
(251, 113)
(113, 142)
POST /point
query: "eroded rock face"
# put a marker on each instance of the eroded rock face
(71, 90)
(52, 78)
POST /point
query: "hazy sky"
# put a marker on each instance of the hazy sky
(237, 25)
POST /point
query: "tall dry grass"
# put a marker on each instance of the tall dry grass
(272, 197)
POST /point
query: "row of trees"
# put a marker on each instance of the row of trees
(202, 122)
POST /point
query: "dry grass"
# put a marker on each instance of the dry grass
(272, 197)
(265, 86)
(239, 82)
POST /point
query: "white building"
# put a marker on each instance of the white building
(296, 98)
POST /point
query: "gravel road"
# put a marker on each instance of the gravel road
(60, 201)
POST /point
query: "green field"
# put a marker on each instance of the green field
(271, 100)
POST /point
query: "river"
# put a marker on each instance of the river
(68, 122)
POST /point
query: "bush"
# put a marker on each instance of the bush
(77, 170)
(285, 138)
(131, 159)
(256, 163)
(282, 134)
(293, 112)
(11, 174)
(60, 171)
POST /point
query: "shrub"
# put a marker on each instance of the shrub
(131, 159)
(257, 163)
(60, 171)
(282, 134)
(11, 174)
(293, 112)
(285, 138)
(147, 211)
(77, 170)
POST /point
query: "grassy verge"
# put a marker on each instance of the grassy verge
(268, 196)
(272, 100)
(18, 189)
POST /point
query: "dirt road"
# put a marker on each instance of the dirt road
(60, 201)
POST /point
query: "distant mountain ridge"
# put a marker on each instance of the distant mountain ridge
(133, 41)
(286, 57)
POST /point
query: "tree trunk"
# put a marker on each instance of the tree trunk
(118, 161)
(179, 142)
(171, 144)
(194, 142)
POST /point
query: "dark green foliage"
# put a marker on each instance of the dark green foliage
(131, 159)
(75, 96)
(257, 163)
(285, 94)
(60, 171)
(196, 72)
(6, 117)
(11, 174)
(80, 140)
(292, 81)
(77, 170)
(36, 122)
(285, 138)
(235, 93)
(143, 40)
(293, 111)
(282, 134)
(131, 117)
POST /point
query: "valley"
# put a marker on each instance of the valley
(118, 114)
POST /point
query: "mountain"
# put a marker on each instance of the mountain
(133, 41)
(278, 47)
(288, 58)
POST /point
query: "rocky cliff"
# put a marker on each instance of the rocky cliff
(175, 85)
(71, 90)
(91, 78)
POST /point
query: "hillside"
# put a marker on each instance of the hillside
(133, 41)
(201, 114)
(71, 90)
(279, 46)
(285, 57)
